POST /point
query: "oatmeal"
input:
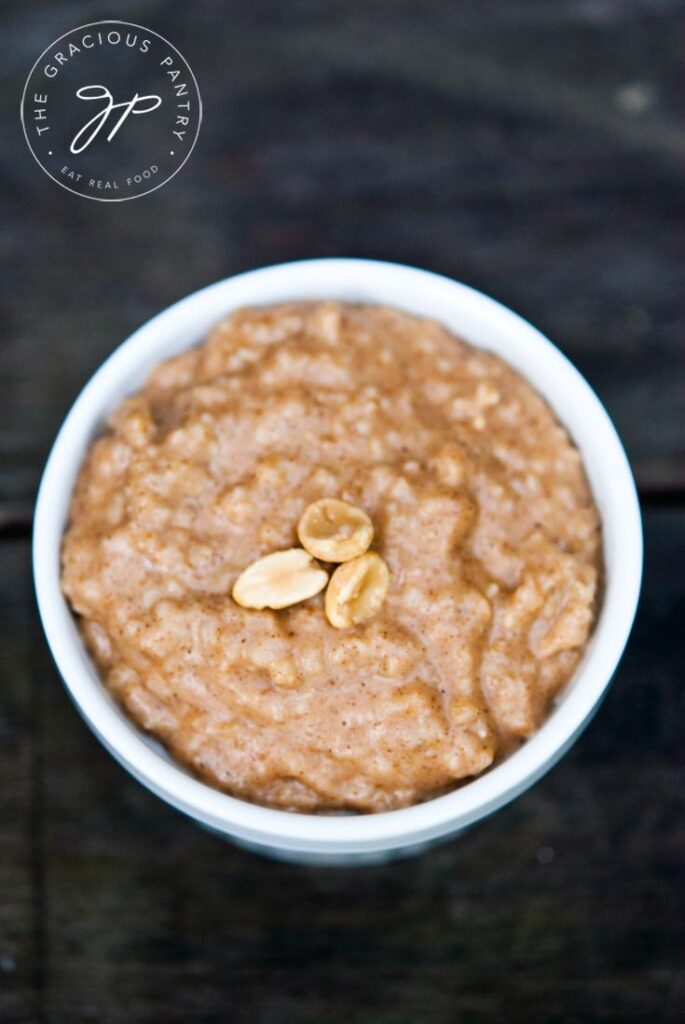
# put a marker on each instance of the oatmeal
(334, 558)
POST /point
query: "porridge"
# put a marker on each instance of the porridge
(334, 558)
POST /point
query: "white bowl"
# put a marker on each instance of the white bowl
(480, 321)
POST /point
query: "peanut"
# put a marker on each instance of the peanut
(356, 590)
(334, 530)
(279, 580)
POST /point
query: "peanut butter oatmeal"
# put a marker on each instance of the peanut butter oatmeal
(334, 558)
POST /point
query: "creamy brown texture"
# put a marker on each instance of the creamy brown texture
(481, 511)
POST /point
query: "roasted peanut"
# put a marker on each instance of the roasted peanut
(356, 590)
(334, 530)
(279, 580)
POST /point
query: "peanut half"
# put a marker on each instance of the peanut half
(357, 590)
(334, 530)
(279, 580)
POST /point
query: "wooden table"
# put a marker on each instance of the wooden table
(534, 150)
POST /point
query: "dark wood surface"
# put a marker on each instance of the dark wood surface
(535, 150)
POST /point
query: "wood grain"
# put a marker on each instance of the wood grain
(20, 804)
(565, 906)
(535, 152)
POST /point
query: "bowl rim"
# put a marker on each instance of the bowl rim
(345, 833)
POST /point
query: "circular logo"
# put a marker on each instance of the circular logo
(111, 111)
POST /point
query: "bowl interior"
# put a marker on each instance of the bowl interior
(480, 321)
